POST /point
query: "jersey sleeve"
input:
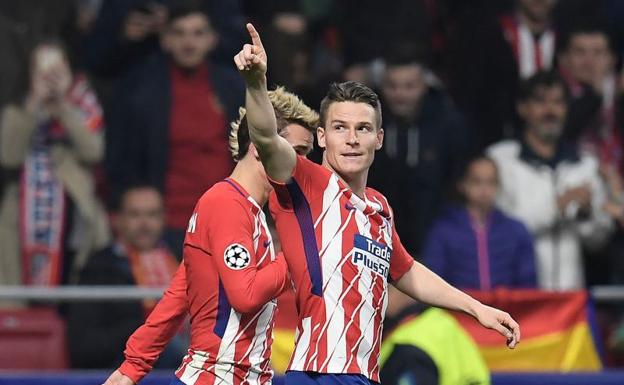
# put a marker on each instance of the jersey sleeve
(300, 186)
(401, 261)
(230, 239)
(149, 340)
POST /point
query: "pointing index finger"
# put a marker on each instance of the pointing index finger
(255, 37)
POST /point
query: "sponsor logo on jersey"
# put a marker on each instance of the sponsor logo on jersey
(371, 255)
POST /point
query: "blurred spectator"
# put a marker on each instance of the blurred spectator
(169, 122)
(427, 346)
(98, 331)
(22, 25)
(587, 62)
(425, 139)
(489, 54)
(551, 186)
(475, 245)
(126, 32)
(364, 41)
(50, 218)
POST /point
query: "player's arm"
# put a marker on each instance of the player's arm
(277, 155)
(230, 240)
(420, 283)
(147, 343)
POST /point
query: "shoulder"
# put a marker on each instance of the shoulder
(222, 198)
(514, 225)
(504, 150)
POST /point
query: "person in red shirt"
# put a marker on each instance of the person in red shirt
(338, 236)
(173, 110)
(296, 122)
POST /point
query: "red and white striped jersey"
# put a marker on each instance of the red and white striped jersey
(341, 251)
(232, 277)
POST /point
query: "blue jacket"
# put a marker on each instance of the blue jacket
(502, 254)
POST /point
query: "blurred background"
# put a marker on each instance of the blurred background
(503, 158)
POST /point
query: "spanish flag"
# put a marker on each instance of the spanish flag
(557, 331)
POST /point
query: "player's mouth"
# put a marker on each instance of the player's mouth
(352, 155)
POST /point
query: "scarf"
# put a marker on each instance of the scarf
(532, 53)
(43, 203)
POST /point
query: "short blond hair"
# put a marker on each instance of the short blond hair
(288, 109)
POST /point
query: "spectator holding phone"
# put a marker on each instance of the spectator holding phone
(50, 218)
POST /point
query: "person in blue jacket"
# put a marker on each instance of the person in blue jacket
(475, 245)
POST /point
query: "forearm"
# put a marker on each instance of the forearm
(260, 114)
(258, 287)
(425, 286)
(147, 343)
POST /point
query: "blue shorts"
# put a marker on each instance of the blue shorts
(312, 378)
(176, 381)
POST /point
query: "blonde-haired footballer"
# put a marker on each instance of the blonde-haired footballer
(224, 285)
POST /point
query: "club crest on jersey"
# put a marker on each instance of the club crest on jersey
(371, 255)
(236, 256)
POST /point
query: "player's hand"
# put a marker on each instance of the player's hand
(118, 379)
(251, 61)
(500, 321)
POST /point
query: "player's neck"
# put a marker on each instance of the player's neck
(356, 182)
(250, 176)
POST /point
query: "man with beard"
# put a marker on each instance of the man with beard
(552, 187)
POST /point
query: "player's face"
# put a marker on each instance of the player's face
(350, 138)
(480, 185)
(141, 219)
(299, 137)
(544, 113)
(189, 39)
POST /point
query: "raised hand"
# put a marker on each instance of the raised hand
(251, 61)
(500, 321)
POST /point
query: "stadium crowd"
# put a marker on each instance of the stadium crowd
(503, 152)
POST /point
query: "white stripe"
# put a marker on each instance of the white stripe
(302, 345)
(227, 349)
(193, 368)
(365, 289)
(526, 52)
(547, 48)
(384, 305)
(332, 279)
(258, 345)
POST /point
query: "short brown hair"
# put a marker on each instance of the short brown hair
(350, 92)
(288, 109)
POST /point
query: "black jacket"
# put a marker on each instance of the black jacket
(138, 133)
(97, 331)
(416, 182)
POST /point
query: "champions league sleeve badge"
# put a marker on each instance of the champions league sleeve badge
(236, 257)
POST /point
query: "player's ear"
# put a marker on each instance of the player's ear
(380, 137)
(320, 137)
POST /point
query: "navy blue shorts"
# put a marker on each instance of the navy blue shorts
(312, 378)
(176, 381)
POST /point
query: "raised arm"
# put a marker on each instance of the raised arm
(276, 154)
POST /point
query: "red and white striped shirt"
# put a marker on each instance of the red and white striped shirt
(341, 251)
(232, 278)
